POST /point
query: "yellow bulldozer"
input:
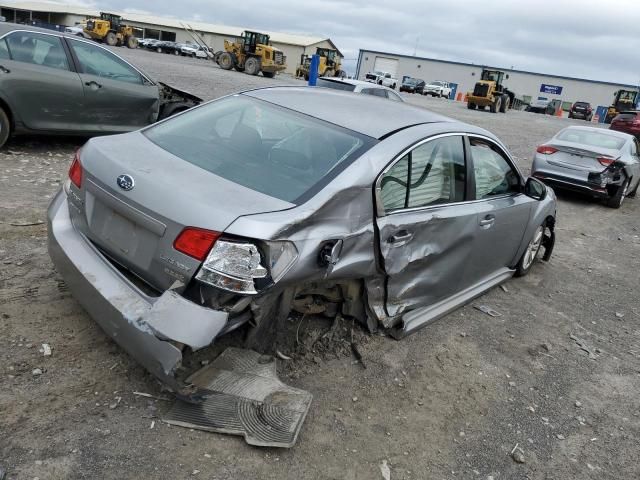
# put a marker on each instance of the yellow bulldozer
(109, 29)
(489, 92)
(624, 100)
(330, 64)
(252, 54)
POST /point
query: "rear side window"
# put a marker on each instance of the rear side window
(102, 63)
(431, 174)
(376, 92)
(261, 146)
(322, 82)
(4, 51)
(38, 49)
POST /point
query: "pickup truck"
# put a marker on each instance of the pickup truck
(437, 88)
(382, 78)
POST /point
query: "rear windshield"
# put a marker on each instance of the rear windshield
(592, 139)
(261, 146)
(410, 81)
(581, 104)
(337, 85)
(626, 116)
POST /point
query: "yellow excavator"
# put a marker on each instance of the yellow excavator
(330, 64)
(109, 29)
(252, 54)
(624, 100)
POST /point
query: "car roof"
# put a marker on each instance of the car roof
(347, 110)
(606, 131)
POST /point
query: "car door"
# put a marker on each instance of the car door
(635, 164)
(38, 82)
(503, 209)
(426, 231)
(117, 96)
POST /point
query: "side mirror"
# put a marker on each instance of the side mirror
(535, 189)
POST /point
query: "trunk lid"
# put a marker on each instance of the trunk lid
(136, 228)
(578, 157)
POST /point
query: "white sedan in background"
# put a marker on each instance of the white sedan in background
(359, 86)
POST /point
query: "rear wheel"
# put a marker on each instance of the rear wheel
(5, 127)
(496, 105)
(531, 252)
(616, 200)
(131, 42)
(159, 50)
(506, 102)
(111, 39)
(226, 61)
(269, 74)
(471, 105)
(176, 52)
(252, 66)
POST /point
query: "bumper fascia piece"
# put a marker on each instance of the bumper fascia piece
(147, 328)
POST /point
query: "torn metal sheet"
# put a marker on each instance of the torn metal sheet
(176, 318)
(245, 397)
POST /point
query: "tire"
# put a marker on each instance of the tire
(471, 106)
(589, 118)
(506, 102)
(5, 127)
(496, 105)
(269, 74)
(159, 50)
(252, 66)
(635, 190)
(226, 61)
(617, 199)
(531, 252)
(131, 42)
(111, 39)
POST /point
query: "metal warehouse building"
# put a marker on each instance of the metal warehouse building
(162, 28)
(526, 85)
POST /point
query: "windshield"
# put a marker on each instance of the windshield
(410, 81)
(590, 138)
(437, 83)
(335, 84)
(261, 146)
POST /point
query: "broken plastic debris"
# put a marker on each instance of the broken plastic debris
(45, 350)
(385, 470)
(488, 310)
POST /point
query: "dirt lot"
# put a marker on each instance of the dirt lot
(450, 402)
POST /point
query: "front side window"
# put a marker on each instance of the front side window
(261, 146)
(38, 49)
(493, 174)
(431, 174)
(376, 92)
(102, 63)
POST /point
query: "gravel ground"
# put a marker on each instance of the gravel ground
(450, 402)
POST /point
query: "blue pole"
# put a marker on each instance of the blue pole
(313, 70)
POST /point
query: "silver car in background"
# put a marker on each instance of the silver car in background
(599, 162)
(277, 199)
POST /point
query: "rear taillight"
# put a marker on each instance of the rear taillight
(546, 149)
(75, 171)
(605, 161)
(196, 242)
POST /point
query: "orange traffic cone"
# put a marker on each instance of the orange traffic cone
(459, 97)
(596, 118)
(559, 112)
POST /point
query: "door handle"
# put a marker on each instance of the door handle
(401, 237)
(4, 69)
(93, 84)
(487, 221)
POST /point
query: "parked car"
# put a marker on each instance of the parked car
(374, 77)
(250, 206)
(412, 85)
(540, 106)
(358, 86)
(382, 78)
(77, 30)
(627, 122)
(56, 83)
(195, 51)
(581, 110)
(168, 47)
(145, 42)
(437, 88)
(602, 163)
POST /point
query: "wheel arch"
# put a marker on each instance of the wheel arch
(7, 109)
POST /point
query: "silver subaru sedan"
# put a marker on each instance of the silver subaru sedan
(235, 213)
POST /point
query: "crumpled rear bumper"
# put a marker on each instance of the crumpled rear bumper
(148, 328)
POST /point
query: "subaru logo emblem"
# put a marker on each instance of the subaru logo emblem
(125, 182)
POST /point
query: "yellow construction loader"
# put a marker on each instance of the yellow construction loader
(330, 64)
(489, 92)
(109, 29)
(251, 54)
(624, 100)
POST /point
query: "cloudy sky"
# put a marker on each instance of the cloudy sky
(596, 39)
